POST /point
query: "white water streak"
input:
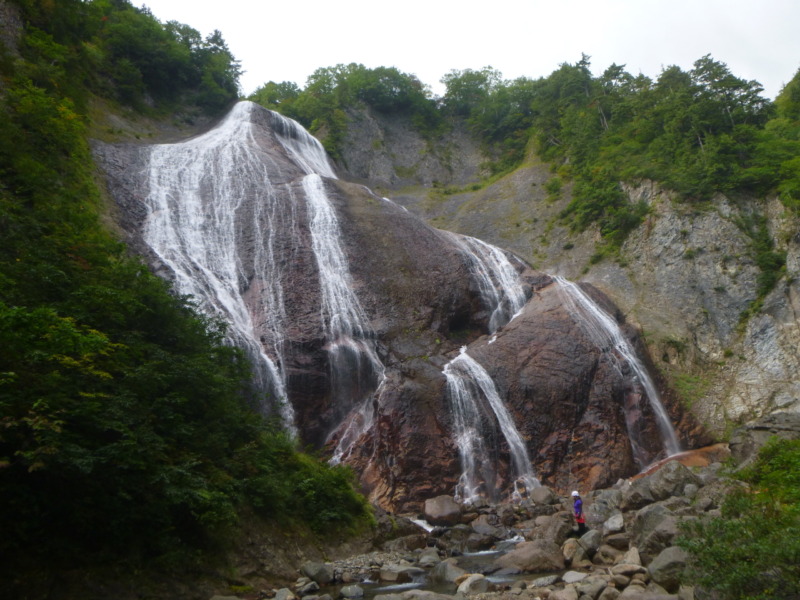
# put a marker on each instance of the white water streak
(467, 383)
(606, 334)
(497, 279)
(198, 189)
(303, 147)
(345, 321)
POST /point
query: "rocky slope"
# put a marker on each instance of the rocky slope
(685, 276)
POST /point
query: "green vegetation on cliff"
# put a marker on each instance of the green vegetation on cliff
(329, 91)
(752, 550)
(695, 132)
(126, 433)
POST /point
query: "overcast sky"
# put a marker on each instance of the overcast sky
(287, 40)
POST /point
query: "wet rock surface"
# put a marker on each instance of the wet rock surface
(422, 303)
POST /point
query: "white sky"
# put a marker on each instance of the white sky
(287, 40)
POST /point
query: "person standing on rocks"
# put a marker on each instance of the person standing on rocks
(577, 510)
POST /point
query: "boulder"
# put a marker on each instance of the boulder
(446, 571)
(614, 523)
(668, 568)
(654, 528)
(442, 510)
(395, 573)
(573, 577)
(429, 557)
(620, 541)
(627, 570)
(606, 555)
(477, 542)
(474, 584)
(670, 480)
(538, 556)
(487, 525)
(631, 557)
(544, 495)
(352, 591)
(573, 552)
(321, 573)
(568, 593)
(592, 586)
(636, 495)
(545, 581)
(604, 504)
(591, 541)
(610, 593)
(556, 528)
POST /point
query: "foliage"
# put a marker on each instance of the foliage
(116, 50)
(330, 91)
(126, 428)
(752, 551)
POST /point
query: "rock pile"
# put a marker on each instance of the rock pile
(629, 550)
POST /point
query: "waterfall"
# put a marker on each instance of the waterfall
(474, 400)
(202, 193)
(497, 279)
(476, 405)
(303, 147)
(356, 371)
(606, 334)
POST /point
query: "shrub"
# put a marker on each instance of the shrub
(753, 550)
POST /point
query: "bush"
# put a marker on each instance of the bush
(753, 550)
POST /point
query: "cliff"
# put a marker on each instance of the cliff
(354, 311)
(687, 276)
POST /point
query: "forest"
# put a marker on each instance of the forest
(126, 427)
(123, 413)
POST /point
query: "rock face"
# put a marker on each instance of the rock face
(365, 380)
(686, 275)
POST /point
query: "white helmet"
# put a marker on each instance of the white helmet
(575, 493)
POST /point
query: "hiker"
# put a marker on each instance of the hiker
(577, 509)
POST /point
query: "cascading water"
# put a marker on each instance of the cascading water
(356, 370)
(201, 192)
(474, 399)
(606, 334)
(496, 277)
(476, 405)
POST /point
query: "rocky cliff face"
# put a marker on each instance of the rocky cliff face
(686, 276)
(250, 191)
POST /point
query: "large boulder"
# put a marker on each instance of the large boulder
(671, 480)
(668, 568)
(654, 528)
(543, 495)
(488, 525)
(442, 510)
(446, 571)
(556, 528)
(476, 583)
(538, 556)
(321, 573)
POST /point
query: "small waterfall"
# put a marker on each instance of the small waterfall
(606, 334)
(201, 192)
(497, 279)
(303, 147)
(470, 388)
(357, 372)
(477, 409)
